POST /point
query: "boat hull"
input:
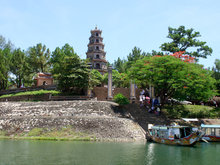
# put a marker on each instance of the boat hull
(190, 140)
(211, 138)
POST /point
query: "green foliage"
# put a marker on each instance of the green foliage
(174, 78)
(154, 53)
(186, 40)
(5, 62)
(216, 74)
(120, 65)
(70, 71)
(119, 79)
(191, 111)
(38, 58)
(123, 65)
(35, 132)
(4, 44)
(2, 133)
(135, 55)
(121, 99)
(19, 66)
(40, 92)
(95, 78)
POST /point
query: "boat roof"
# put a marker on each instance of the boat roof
(190, 119)
(210, 126)
(166, 127)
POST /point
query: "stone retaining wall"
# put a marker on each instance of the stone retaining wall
(100, 119)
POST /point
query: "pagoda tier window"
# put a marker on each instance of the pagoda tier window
(97, 56)
(97, 40)
(97, 34)
(97, 48)
(97, 66)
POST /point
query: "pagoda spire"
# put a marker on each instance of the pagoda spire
(96, 52)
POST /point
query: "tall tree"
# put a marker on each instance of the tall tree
(120, 65)
(216, 74)
(186, 40)
(70, 71)
(173, 78)
(4, 44)
(5, 61)
(154, 53)
(135, 55)
(19, 66)
(38, 58)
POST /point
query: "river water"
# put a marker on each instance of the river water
(21, 152)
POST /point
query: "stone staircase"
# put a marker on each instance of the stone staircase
(143, 117)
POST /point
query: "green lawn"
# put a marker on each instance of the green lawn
(191, 111)
(40, 92)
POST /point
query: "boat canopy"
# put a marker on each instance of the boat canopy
(190, 119)
(157, 127)
(210, 126)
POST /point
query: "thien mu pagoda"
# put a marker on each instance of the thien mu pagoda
(96, 52)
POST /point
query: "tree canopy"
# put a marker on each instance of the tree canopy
(123, 65)
(119, 79)
(186, 40)
(173, 78)
(38, 58)
(216, 74)
(19, 66)
(95, 78)
(70, 71)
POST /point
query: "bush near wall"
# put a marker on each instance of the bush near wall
(121, 99)
(102, 93)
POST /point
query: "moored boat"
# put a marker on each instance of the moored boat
(175, 135)
(212, 132)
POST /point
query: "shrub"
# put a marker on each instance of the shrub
(121, 99)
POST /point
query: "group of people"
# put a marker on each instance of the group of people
(152, 105)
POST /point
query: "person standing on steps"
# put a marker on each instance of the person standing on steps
(142, 98)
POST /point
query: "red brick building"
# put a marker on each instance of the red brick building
(43, 79)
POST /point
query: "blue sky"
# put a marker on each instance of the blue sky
(124, 23)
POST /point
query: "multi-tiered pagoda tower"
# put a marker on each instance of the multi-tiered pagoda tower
(96, 52)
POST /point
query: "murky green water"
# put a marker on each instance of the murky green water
(97, 153)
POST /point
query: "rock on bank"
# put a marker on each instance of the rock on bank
(98, 118)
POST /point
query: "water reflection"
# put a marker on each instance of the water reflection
(97, 153)
(150, 153)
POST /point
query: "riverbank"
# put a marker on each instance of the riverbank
(68, 120)
(64, 134)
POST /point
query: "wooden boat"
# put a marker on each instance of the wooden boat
(212, 132)
(175, 135)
